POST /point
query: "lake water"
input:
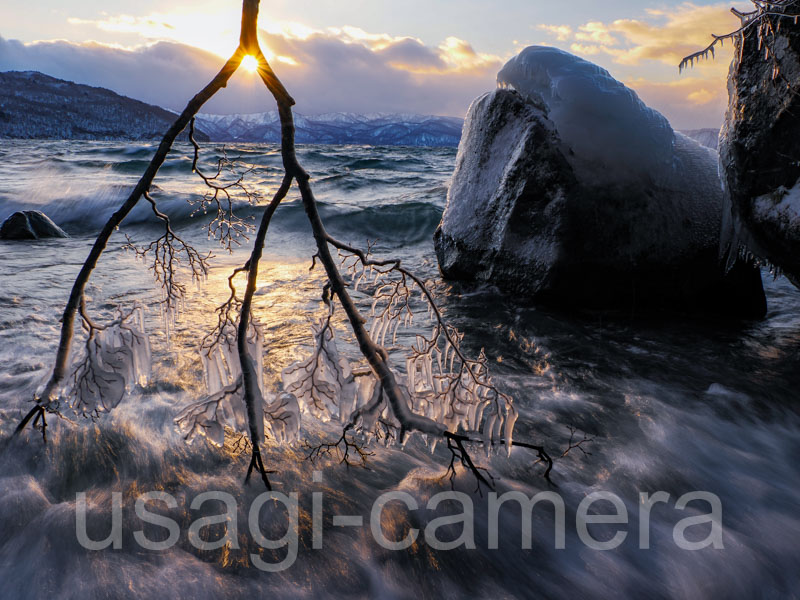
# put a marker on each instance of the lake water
(673, 405)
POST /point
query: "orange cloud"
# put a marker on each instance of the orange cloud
(689, 102)
(685, 29)
(666, 38)
(561, 32)
(595, 32)
(404, 53)
(663, 37)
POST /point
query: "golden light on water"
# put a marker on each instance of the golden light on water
(250, 64)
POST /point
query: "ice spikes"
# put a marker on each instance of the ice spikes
(224, 408)
(117, 358)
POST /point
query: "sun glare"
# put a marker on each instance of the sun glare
(250, 64)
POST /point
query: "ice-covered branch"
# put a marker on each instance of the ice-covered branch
(443, 394)
(166, 253)
(49, 392)
(224, 332)
(766, 20)
(444, 383)
(225, 226)
(440, 382)
(116, 357)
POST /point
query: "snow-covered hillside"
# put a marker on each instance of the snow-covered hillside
(380, 129)
(36, 106)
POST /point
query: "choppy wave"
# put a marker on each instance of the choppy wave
(397, 196)
(673, 407)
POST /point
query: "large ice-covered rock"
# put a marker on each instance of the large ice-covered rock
(760, 151)
(568, 189)
(30, 225)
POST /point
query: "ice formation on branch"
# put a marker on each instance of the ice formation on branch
(323, 383)
(117, 357)
(225, 407)
(458, 398)
(440, 383)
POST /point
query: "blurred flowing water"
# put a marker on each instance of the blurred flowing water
(673, 405)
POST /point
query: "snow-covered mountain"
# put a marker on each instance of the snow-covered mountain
(706, 137)
(378, 129)
(36, 106)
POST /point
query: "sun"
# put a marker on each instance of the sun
(250, 64)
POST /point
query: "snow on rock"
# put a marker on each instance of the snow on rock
(568, 189)
(610, 132)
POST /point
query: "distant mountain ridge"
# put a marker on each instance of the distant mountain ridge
(36, 106)
(351, 128)
(380, 129)
(705, 137)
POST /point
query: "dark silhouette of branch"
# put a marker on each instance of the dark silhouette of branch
(37, 413)
(61, 363)
(391, 408)
(248, 368)
(166, 252)
(342, 449)
(455, 443)
(226, 226)
(572, 445)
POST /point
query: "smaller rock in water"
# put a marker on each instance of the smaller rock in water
(30, 225)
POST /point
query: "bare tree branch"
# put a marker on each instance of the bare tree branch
(765, 20)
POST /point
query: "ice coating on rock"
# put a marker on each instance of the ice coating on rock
(611, 132)
(568, 190)
(780, 205)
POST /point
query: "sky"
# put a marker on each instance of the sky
(414, 56)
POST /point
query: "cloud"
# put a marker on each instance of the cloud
(595, 32)
(164, 72)
(586, 49)
(403, 76)
(658, 41)
(678, 33)
(693, 102)
(349, 69)
(184, 27)
(326, 71)
(412, 55)
(666, 37)
(561, 32)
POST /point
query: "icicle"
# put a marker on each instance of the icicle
(283, 418)
(511, 419)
